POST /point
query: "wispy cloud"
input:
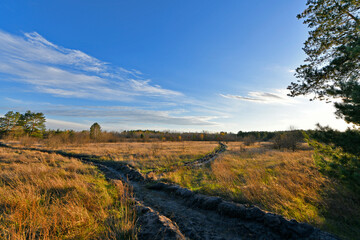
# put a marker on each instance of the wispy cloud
(278, 97)
(64, 72)
(55, 124)
(120, 114)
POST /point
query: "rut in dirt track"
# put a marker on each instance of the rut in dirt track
(195, 216)
(204, 217)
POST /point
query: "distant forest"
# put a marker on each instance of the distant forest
(30, 127)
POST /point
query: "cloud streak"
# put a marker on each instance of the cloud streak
(131, 114)
(278, 97)
(55, 124)
(63, 72)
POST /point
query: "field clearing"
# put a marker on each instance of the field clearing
(280, 181)
(47, 196)
(146, 156)
(284, 182)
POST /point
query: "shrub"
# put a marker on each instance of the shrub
(337, 157)
(290, 140)
(249, 140)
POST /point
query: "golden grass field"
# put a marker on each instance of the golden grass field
(47, 196)
(284, 182)
(280, 181)
(146, 156)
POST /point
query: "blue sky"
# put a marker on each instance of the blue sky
(162, 64)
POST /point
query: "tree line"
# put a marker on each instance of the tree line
(17, 124)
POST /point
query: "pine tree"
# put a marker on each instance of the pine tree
(95, 131)
(332, 68)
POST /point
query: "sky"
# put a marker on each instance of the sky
(181, 65)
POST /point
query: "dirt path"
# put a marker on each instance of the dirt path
(194, 163)
(208, 157)
(171, 212)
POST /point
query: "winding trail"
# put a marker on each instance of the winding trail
(208, 157)
(194, 163)
(168, 211)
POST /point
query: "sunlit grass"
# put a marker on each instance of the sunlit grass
(146, 156)
(46, 196)
(284, 182)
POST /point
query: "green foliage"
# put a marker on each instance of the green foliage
(33, 123)
(9, 121)
(266, 136)
(249, 140)
(335, 162)
(349, 108)
(290, 140)
(16, 124)
(258, 135)
(331, 71)
(337, 154)
(349, 140)
(332, 45)
(333, 50)
(95, 131)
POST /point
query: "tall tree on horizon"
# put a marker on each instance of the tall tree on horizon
(95, 131)
(9, 121)
(17, 124)
(33, 123)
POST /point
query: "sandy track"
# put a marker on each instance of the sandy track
(208, 157)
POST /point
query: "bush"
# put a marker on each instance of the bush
(249, 140)
(289, 140)
(337, 154)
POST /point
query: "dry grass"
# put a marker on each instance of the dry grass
(147, 156)
(283, 182)
(46, 196)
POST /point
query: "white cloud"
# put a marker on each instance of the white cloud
(144, 86)
(278, 96)
(34, 48)
(58, 124)
(131, 114)
(59, 71)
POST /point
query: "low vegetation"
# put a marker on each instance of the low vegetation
(147, 157)
(47, 196)
(30, 127)
(317, 184)
(282, 181)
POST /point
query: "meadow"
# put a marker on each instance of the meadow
(146, 156)
(47, 196)
(280, 181)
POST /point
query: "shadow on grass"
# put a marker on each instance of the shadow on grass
(341, 210)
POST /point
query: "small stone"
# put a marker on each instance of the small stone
(271, 220)
(231, 209)
(172, 188)
(254, 213)
(157, 186)
(197, 199)
(302, 229)
(210, 203)
(184, 192)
